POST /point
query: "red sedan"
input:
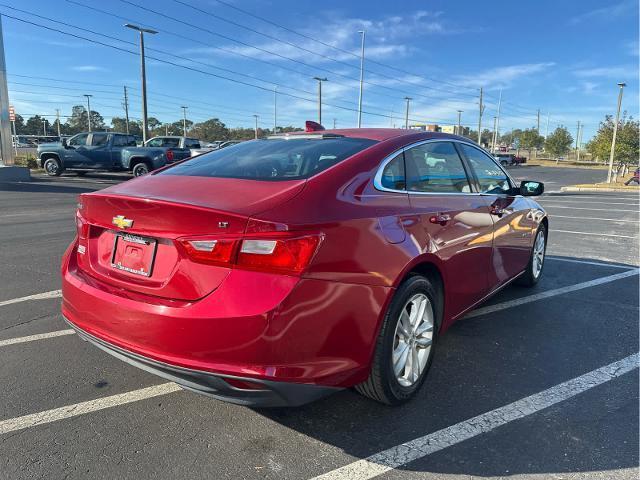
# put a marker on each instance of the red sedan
(276, 271)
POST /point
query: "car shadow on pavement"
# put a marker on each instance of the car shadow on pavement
(42, 187)
(488, 361)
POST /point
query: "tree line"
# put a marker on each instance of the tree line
(208, 130)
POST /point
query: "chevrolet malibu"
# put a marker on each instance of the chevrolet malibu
(277, 271)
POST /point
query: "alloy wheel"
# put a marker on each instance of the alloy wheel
(413, 339)
(538, 254)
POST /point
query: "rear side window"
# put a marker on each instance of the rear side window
(435, 167)
(393, 176)
(99, 139)
(490, 176)
(272, 159)
(191, 143)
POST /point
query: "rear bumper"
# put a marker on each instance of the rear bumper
(266, 394)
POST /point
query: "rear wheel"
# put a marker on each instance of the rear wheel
(504, 163)
(536, 262)
(140, 169)
(405, 345)
(53, 167)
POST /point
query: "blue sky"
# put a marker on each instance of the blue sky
(563, 57)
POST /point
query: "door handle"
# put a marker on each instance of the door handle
(440, 218)
(499, 211)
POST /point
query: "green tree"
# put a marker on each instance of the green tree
(119, 124)
(34, 126)
(209, 130)
(627, 143)
(19, 125)
(78, 121)
(530, 139)
(559, 142)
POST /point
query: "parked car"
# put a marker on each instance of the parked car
(635, 178)
(507, 159)
(104, 151)
(284, 269)
(182, 147)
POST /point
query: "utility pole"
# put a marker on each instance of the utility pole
(493, 140)
(256, 127)
(58, 120)
(275, 109)
(615, 131)
(361, 79)
(184, 120)
(577, 136)
(44, 127)
(126, 109)
(579, 142)
(334, 123)
(320, 80)
(546, 132)
(406, 113)
(480, 119)
(6, 147)
(459, 124)
(166, 129)
(538, 128)
(88, 109)
(143, 75)
(496, 130)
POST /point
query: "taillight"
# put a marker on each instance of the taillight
(82, 226)
(170, 155)
(278, 253)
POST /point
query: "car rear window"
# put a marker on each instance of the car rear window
(272, 159)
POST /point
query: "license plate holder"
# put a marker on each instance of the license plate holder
(134, 254)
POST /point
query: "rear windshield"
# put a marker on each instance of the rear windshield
(272, 159)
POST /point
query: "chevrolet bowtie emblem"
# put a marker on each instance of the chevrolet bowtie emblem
(121, 222)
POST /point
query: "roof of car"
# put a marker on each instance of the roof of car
(380, 134)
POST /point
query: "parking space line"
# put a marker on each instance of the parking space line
(594, 218)
(421, 447)
(39, 336)
(555, 230)
(592, 209)
(589, 262)
(550, 293)
(37, 296)
(544, 200)
(48, 416)
(631, 196)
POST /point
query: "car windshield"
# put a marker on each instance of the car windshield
(272, 159)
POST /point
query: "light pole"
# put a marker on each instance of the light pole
(184, 120)
(406, 113)
(480, 112)
(275, 110)
(142, 31)
(44, 127)
(361, 79)
(615, 131)
(88, 109)
(459, 124)
(256, 127)
(320, 80)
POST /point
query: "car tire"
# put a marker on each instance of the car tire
(504, 163)
(140, 169)
(52, 167)
(532, 274)
(388, 382)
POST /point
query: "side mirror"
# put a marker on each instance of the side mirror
(63, 141)
(530, 188)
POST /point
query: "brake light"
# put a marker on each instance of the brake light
(82, 226)
(170, 155)
(311, 126)
(280, 253)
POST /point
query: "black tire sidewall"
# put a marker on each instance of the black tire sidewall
(139, 166)
(395, 392)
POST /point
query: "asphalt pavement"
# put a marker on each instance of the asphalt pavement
(537, 383)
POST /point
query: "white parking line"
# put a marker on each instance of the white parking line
(550, 293)
(598, 219)
(631, 196)
(418, 448)
(613, 210)
(39, 336)
(48, 416)
(588, 262)
(37, 296)
(582, 202)
(555, 230)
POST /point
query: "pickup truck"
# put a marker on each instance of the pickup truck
(104, 151)
(506, 159)
(182, 147)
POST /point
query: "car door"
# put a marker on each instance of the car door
(74, 153)
(454, 220)
(514, 225)
(118, 142)
(98, 152)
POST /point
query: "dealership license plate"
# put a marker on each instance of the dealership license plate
(134, 254)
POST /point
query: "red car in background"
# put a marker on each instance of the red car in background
(277, 271)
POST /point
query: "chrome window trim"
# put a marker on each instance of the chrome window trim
(509, 178)
(377, 179)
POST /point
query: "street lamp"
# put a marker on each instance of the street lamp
(459, 117)
(184, 120)
(88, 109)
(406, 113)
(256, 127)
(142, 31)
(615, 131)
(275, 109)
(361, 79)
(320, 80)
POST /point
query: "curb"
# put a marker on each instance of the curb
(576, 188)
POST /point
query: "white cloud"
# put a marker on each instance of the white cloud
(501, 77)
(88, 68)
(618, 72)
(607, 13)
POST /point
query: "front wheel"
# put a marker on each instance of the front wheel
(405, 345)
(140, 169)
(536, 262)
(53, 167)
